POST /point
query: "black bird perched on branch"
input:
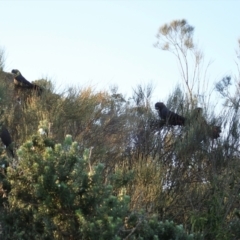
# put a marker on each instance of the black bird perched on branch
(6, 139)
(168, 116)
(21, 81)
(215, 132)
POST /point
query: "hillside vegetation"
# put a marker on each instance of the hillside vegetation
(92, 165)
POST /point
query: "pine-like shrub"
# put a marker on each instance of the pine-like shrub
(56, 194)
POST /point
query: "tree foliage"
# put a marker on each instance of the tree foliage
(177, 37)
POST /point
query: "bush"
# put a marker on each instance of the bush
(55, 194)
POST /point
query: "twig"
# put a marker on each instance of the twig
(132, 231)
(89, 159)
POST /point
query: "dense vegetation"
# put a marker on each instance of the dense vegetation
(100, 168)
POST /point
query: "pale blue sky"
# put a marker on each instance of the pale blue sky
(102, 43)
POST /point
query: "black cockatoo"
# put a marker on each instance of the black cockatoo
(21, 81)
(168, 116)
(215, 132)
(6, 139)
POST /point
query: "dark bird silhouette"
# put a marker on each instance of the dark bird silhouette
(21, 81)
(168, 116)
(6, 139)
(215, 132)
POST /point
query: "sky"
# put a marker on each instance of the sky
(106, 43)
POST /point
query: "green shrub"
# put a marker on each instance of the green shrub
(55, 194)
